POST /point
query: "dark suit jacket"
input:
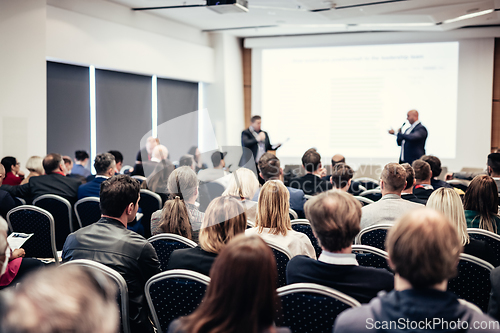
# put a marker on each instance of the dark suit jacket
(422, 193)
(6, 203)
(310, 184)
(53, 183)
(249, 141)
(91, 189)
(194, 259)
(361, 283)
(297, 200)
(413, 198)
(414, 146)
(353, 189)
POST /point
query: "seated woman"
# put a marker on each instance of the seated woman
(241, 296)
(224, 219)
(35, 167)
(481, 204)
(448, 202)
(174, 220)
(243, 184)
(13, 173)
(273, 221)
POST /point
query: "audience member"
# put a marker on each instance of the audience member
(423, 249)
(81, 161)
(35, 167)
(183, 183)
(68, 164)
(104, 165)
(109, 242)
(390, 207)
(407, 193)
(481, 204)
(224, 219)
(435, 164)
(118, 160)
(53, 182)
(4, 249)
(218, 173)
(311, 183)
(273, 221)
(195, 152)
(270, 169)
(159, 163)
(241, 296)
(144, 155)
(242, 185)
(6, 200)
(494, 305)
(174, 220)
(66, 299)
(354, 188)
(423, 174)
(337, 158)
(13, 173)
(448, 202)
(341, 176)
(334, 218)
(187, 160)
(494, 168)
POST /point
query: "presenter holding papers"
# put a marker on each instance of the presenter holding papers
(412, 141)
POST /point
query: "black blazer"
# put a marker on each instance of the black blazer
(361, 283)
(413, 198)
(54, 183)
(422, 193)
(194, 259)
(249, 141)
(310, 184)
(414, 146)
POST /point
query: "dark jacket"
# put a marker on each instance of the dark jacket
(110, 243)
(414, 145)
(194, 259)
(413, 305)
(480, 249)
(53, 183)
(249, 141)
(413, 198)
(494, 306)
(437, 183)
(359, 282)
(6, 203)
(422, 193)
(310, 184)
(91, 189)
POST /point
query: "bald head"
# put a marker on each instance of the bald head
(337, 158)
(2, 173)
(412, 116)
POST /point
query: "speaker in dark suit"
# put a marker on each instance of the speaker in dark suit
(412, 140)
(256, 140)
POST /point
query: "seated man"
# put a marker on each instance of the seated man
(494, 168)
(435, 164)
(354, 188)
(423, 174)
(218, 173)
(118, 160)
(334, 218)
(390, 207)
(80, 166)
(407, 193)
(53, 182)
(6, 200)
(270, 169)
(341, 177)
(110, 243)
(423, 249)
(311, 183)
(104, 165)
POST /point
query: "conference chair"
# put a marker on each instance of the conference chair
(373, 195)
(61, 211)
(173, 294)
(150, 202)
(139, 178)
(166, 243)
(364, 201)
(282, 257)
(370, 256)
(207, 192)
(87, 211)
(121, 284)
(304, 226)
(367, 182)
(473, 281)
(250, 224)
(39, 222)
(492, 239)
(311, 308)
(373, 236)
(293, 214)
(19, 201)
(461, 184)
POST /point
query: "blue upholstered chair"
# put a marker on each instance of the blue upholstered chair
(282, 257)
(150, 202)
(371, 256)
(165, 244)
(87, 211)
(61, 211)
(373, 236)
(303, 226)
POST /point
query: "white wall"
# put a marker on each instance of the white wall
(23, 87)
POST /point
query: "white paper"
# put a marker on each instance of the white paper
(17, 239)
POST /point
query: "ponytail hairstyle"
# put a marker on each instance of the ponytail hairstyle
(175, 218)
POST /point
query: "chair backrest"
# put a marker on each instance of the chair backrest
(373, 236)
(122, 290)
(61, 211)
(150, 202)
(461, 184)
(368, 183)
(373, 195)
(165, 244)
(304, 226)
(250, 224)
(139, 178)
(207, 192)
(492, 239)
(282, 257)
(39, 222)
(19, 201)
(370, 256)
(293, 214)
(311, 308)
(87, 211)
(473, 281)
(364, 201)
(173, 294)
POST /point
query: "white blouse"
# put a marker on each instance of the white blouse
(297, 243)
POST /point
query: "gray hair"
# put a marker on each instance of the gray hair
(103, 162)
(182, 182)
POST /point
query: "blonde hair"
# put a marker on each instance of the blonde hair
(34, 164)
(224, 219)
(273, 208)
(160, 152)
(243, 184)
(448, 202)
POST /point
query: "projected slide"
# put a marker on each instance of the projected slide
(344, 99)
